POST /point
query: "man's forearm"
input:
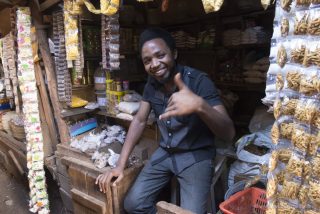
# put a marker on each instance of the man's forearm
(220, 124)
(135, 131)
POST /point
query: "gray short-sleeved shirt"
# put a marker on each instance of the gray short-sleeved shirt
(187, 139)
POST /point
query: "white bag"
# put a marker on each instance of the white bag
(129, 107)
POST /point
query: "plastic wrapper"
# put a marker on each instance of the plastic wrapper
(302, 4)
(271, 207)
(286, 5)
(296, 165)
(314, 143)
(315, 167)
(310, 82)
(290, 188)
(314, 22)
(281, 55)
(286, 208)
(285, 104)
(312, 55)
(306, 110)
(293, 79)
(301, 138)
(314, 193)
(301, 23)
(298, 49)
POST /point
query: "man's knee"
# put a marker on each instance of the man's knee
(130, 204)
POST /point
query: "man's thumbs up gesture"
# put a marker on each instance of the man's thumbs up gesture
(183, 102)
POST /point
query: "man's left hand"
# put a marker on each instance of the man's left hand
(183, 102)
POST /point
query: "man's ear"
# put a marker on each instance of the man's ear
(175, 54)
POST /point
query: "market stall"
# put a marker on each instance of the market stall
(72, 79)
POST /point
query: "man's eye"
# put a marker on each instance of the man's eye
(160, 56)
(146, 62)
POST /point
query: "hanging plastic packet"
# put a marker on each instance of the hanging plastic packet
(286, 207)
(314, 193)
(302, 4)
(298, 49)
(286, 5)
(285, 104)
(282, 56)
(316, 120)
(314, 143)
(310, 82)
(301, 23)
(312, 55)
(296, 165)
(271, 207)
(314, 22)
(306, 110)
(290, 189)
(301, 139)
(293, 78)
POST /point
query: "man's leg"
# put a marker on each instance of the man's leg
(195, 184)
(142, 195)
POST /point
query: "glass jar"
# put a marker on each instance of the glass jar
(99, 79)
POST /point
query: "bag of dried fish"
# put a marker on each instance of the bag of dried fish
(298, 49)
(293, 79)
(287, 208)
(303, 3)
(296, 165)
(301, 23)
(309, 83)
(271, 207)
(312, 55)
(314, 22)
(301, 138)
(306, 110)
(286, 5)
(290, 188)
(314, 193)
(314, 143)
(281, 55)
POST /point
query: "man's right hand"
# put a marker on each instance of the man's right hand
(104, 180)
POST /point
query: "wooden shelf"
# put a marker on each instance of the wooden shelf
(196, 51)
(260, 87)
(105, 113)
(247, 46)
(80, 87)
(76, 111)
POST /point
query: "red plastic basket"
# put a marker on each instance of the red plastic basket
(249, 201)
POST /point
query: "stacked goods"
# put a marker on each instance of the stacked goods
(38, 195)
(5, 118)
(73, 38)
(62, 73)
(294, 175)
(17, 128)
(110, 42)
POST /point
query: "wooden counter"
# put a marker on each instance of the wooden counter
(77, 175)
(13, 155)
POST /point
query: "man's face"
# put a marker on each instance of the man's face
(158, 59)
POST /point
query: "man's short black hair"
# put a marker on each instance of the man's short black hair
(154, 33)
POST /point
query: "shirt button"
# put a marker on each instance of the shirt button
(168, 122)
(168, 146)
(170, 134)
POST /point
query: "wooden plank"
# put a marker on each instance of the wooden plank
(120, 190)
(13, 143)
(72, 112)
(46, 106)
(168, 208)
(47, 4)
(51, 79)
(88, 202)
(47, 144)
(16, 162)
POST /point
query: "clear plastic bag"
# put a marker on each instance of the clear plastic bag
(301, 23)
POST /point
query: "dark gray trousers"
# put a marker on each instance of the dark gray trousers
(194, 183)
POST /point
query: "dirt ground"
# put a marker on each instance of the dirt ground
(14, 195)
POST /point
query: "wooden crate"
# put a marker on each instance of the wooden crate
(86, 196)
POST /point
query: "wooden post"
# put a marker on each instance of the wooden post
(47, 109)
(50, 74)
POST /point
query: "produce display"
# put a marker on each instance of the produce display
(294, 178)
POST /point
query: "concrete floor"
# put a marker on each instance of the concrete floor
(14, 195)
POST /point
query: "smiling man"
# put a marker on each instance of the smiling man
(189, 114)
